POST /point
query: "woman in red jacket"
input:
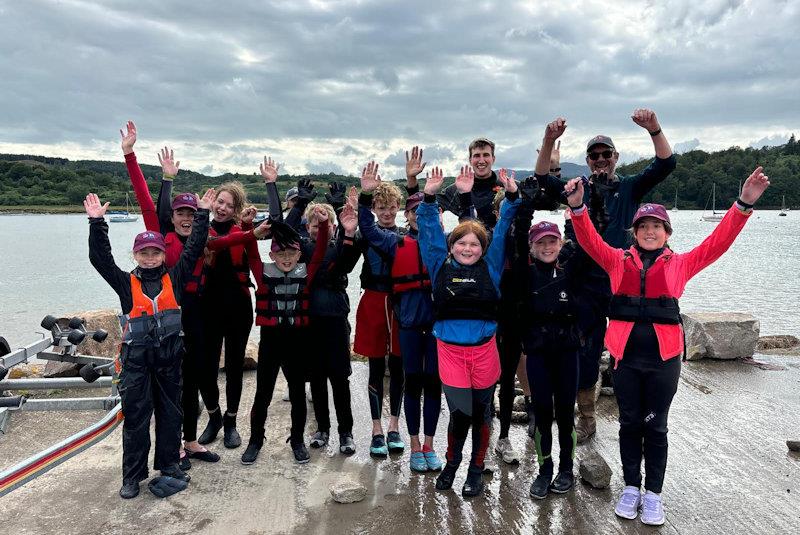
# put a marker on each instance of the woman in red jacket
(645, 336)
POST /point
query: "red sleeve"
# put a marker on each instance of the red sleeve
(142, 194)
(320, 249)
(716, 244)
(231, 239)
(607, 257)
(254, 259)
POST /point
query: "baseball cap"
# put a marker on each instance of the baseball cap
(600, 140)
(149, 238)
(651, 210)
(413, 200)
(184, 200)
(291, 194)
(542, 229)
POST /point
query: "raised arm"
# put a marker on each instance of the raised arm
(383, 240)
(495, 255)
(100, 247)
(414, 166)
(137, 179)
(321, 246)
(169, 170)
(269, 170)
(606, 256)
(193, 249)
(432, 242)
(664, 163)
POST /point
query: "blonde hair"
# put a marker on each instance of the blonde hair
(236, 190)
(498, 200)
(387, 193)
(470, 226)
(311, 216)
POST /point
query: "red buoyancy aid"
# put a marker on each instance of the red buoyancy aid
(408, 272)
(149, 321)
(174, 249)
(282, 299)
(238, 259)
(195, 281)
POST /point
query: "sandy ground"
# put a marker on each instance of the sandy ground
(729, 472)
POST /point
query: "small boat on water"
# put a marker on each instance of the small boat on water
(783, 206)
(123, 216)
(714, 216)
(675, 204)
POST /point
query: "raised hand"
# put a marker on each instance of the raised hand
(128, 138)
(305, 190)
(754, 186)
(529, 187)
(248, 214)
(646, 119)
(93, 207)
(465, 179)
(262, 231)
(207, 199)
(508, 180)
(370, 177)
(336, 196)
(320, 213)
(555, 155)
(352, 197)
(434, 181)
(574, 192)
(269, 170)
(167, 160)
(555, 129)
(348, 219)
(414, 163)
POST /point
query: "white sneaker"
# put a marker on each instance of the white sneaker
(652, 509)
(506, 451)
(628, 504)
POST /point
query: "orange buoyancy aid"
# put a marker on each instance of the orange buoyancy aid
(150, 321)
(408, 272)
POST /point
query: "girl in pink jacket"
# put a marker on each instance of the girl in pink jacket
(645, 335)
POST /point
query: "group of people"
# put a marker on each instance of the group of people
(456, 311)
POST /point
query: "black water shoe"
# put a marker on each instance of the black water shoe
(176, 472)
(212, 428)
(563, 482)
(541, 486)
(232, 438)
(445, 480)
(251, 453)
(474, 483)
(129, 490)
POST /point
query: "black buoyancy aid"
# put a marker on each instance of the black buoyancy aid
(465, 292)
(382, 280)
(550, 298)
(408, 271)
(282, 299)
(644, 295)
(238, 260)
(151, 321)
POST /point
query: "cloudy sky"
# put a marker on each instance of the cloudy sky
(327, 85)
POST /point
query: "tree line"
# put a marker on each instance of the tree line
(28, 180)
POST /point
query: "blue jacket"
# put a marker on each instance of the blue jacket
(433, 247)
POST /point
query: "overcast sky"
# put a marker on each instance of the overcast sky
(327, 85)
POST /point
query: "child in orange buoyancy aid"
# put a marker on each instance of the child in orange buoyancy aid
(152, 348)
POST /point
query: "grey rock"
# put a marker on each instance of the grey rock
(348, 490)
(595, 471)
(61, 369)
(777, 341)
(720, 335)
(519, 417)
(519, 404)
(793, 445)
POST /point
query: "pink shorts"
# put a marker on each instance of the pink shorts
(469, 366)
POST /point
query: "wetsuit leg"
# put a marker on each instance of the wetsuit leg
(135, 389)
(266, 375)
(432, 404)
(509, 347)
(166, 385)
(213, 335)
(481, 418)
(396, 384)
(459, 401)
(295, 345)
(661, 383)
(377, 369)
(237, 330)
(332, 337)
(589, 354)
(630, 389)
(413, 368)
(539, 377)
(191, 366)
(319, 395)
(565, 391)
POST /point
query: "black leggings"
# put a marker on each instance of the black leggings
(280, 348)
(421, 368)
(232, 324)
(331, 362)
(377, 370)
(645, 387)
(192, 367)
(553, 376)
(509, 347)
(468, 407)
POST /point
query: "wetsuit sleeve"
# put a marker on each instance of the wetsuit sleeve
(522, 225)
(347, 255)
(466, 207)
(231, 239)
(652, 176)
(295, 216)
(607, 257)
(448, 200)
(496, 253)
(192, 251)
(383, 240)
(432, 242)
(553, 186)
(164, 204)
(142, 193)
(103, 261)
(320, 248)
(274, 202)
(716, 244)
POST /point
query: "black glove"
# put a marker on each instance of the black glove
(336, 196)
(534, 193)
(529, 187)
(305, 190)
(283, 234)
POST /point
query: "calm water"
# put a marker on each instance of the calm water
(44, 269)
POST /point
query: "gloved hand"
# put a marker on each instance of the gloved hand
(529, 187)
(283, 234)
(305, 190)
(336, 196)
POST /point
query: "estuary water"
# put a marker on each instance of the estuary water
(45, 269)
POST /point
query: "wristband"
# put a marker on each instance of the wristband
(168, 177)
(577, 208)
(744, 204)
(654, 134)
(430, 198)
(555, 169)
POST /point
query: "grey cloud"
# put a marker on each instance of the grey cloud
(686, 146)
(770, 141)
(349, 150)
(324, 168)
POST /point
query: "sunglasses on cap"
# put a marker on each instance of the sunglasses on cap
(594, 156)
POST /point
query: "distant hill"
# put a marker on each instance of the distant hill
(57, 182)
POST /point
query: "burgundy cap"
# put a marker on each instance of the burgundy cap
(542, 229)
(185, 200)
(149, 238)
(600, 140)
(275, 247)
(651, 210)
(414, 200)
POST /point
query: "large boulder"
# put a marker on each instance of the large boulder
(720, 335)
